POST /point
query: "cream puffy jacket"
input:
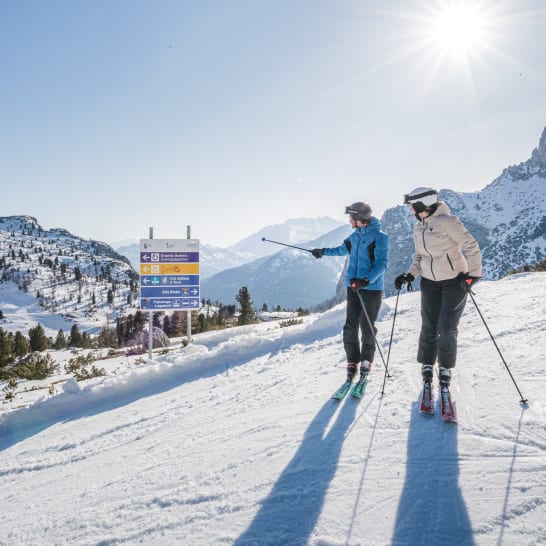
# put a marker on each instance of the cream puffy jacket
(440, 240)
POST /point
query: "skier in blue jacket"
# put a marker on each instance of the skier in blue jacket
(368, 250)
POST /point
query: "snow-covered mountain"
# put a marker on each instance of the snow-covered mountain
(215, 259)
(234, 440)
(294, 231)
(507, 217)
(60, 279)
(289, 278)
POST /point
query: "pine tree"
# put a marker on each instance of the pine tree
(86, 341)
(22, 346)
(7, 353)
(140, 321)
(167, 325)
(246, 315)
(75, 337)
(37, 338)
(60, 341)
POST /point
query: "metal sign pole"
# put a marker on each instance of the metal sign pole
(150, 319)
(188, 313)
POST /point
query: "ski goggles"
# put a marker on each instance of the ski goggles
(349, 210)
(356, 214)
(410, 199)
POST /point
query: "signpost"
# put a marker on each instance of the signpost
(169, 278)
(169, 274)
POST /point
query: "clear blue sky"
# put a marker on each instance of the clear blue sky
(229, 115)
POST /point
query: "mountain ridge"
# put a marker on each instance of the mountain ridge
(507, 217)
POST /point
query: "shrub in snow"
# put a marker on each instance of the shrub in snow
(35, 366)
(9, 389)
(290, 322)
(159, 339)
(79, 366)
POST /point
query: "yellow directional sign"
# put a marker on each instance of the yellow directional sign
(169, 269)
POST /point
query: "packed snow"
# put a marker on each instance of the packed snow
(235, 440)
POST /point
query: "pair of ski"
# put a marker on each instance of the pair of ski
(446, 404)
(357, 390)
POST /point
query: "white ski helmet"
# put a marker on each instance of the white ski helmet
(426, 196)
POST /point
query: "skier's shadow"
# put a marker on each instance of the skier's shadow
(431, 508)
(289, 513)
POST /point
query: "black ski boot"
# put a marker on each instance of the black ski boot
(426, 372)
(365, 368)
(351, 371)
(445, 376)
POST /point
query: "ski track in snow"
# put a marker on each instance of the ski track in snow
(234, 440)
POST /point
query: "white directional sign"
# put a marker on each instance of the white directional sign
(169, 274)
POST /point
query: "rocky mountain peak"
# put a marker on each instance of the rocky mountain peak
(538, 156)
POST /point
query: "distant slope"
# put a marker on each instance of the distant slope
(290, 278)
(79, 281)
(215, 259)
(294, 231)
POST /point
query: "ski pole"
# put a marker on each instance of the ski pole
(390, 343)
(284, 244)
(373, 332)
(523, 400)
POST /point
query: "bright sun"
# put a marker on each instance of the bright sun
(458, 29)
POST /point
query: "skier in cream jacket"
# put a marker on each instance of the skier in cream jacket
(448, 259)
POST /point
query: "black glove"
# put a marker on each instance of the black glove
(359, 284)
(317, 252)
(401, 280)
(466, 281)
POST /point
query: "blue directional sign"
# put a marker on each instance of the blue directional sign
(169, 274)
(169, 257)
(164, 280)
(170, 292)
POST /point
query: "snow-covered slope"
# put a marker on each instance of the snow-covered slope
(234, 440)
(59, 279)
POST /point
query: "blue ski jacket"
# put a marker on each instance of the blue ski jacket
(368, 250)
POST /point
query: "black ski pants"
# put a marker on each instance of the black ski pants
(442, 304)
(356, 319)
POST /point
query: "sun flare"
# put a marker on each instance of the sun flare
(458, 29)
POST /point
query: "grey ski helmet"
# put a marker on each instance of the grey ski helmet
(421, 198)
(359, 211)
